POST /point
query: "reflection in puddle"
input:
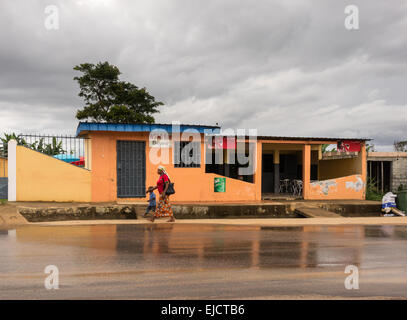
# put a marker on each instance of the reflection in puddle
(202, 261)
(172, 246)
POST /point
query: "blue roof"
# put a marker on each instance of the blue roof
(140, 127)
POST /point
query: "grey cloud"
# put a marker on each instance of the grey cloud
(284, 67)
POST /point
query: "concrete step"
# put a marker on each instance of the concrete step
(310, 212)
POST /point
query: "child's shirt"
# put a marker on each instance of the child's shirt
(151, 201)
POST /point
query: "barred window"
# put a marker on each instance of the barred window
(187, 154)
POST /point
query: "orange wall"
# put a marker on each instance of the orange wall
(191, 184)
(350, 187)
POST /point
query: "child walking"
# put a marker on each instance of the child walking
(152, 205)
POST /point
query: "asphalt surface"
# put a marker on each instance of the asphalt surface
(196, 261)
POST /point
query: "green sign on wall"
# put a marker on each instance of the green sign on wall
(220, 184)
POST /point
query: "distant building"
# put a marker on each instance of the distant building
(387, 169)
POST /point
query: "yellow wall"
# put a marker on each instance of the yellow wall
(329, 169)
(3, 168)
(191, 184)
(350, 187)
(44, 178)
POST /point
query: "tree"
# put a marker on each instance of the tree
(107, 99)
(400, 146)
(51, 149)
(5, 140)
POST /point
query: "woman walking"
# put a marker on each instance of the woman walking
(164, 206)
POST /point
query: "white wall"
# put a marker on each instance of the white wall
(12, 170)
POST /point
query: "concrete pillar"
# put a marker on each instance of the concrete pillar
(363, 159)
(258, 168)
(306, 170)
(276, 171)
(12, 170)
(320, 152)
(320, 156)
(88, 153)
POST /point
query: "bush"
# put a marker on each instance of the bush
(372, 192)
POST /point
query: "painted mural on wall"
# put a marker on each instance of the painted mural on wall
(349, 187)
(357, 186)
(326, 186)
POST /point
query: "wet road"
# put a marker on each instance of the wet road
(170, 261)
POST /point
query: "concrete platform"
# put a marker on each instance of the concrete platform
(51, 211)
(10, 218)
(274, 209)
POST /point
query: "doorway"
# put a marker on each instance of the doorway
(131, 169)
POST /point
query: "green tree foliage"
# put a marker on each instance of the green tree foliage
(107, 99)
(324, 148)
(372, 191)
(51, 149)
(5, 140)
(370, 147)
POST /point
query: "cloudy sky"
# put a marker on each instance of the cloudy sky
(282, 67)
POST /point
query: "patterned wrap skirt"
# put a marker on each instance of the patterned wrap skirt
(163, 208)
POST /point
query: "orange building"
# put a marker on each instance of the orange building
(207, 166)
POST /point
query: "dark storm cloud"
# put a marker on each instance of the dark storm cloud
(283, 67)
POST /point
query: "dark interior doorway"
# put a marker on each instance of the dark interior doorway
(289, 167)
(267, 176)
(379, 173)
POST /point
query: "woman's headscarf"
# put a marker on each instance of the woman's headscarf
(162, 169)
